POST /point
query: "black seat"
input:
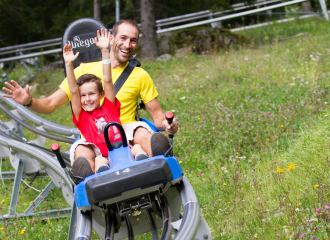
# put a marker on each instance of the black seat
(80, 34)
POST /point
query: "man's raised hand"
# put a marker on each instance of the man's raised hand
(68, 55)
(17, 93)
(103, 40)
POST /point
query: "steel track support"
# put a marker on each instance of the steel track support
(42, 215)
(16, 187)
(40, 197)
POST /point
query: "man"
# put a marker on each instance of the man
(123, 41)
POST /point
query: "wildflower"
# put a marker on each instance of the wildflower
(278, 235)
(22, 231)
(313, 237)
(298, 204)
(318, 210)
(326, 207)
(281, 125)
(224, 184)
(35, 220)
(30, 221)
(15, 224)
(1, 116)
(1, 228)
(297, 209)
(219, 200)
(180, 162)
(198, 118)
(317, 185)
(301, 236)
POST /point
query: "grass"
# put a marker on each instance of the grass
(253, 138)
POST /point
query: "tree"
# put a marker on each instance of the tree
(97, 9)
(149, 48)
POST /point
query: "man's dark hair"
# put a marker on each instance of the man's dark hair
(117, 24)
(86, 78)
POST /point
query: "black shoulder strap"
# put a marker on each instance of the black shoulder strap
(125, 74)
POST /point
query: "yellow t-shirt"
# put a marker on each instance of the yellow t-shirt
(138, 84)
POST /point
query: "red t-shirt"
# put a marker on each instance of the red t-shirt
(91, 124)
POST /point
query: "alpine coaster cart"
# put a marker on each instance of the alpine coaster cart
(129, 199)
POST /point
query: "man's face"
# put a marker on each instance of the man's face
(124, 44)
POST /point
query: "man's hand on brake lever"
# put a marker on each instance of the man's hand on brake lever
(170, 128)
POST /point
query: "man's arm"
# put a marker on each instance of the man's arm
(44, 105)
(158, 117)
(50, 103)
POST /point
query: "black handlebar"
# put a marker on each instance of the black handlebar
(56, 149)
(122, 133)
(169, 117)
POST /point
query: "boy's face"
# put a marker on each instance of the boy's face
(90, 96)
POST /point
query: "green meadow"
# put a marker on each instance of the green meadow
(254, 135)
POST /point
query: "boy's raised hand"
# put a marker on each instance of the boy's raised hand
(103, 40)
(68, 55)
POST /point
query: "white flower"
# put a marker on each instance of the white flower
(292, 83)
(297, 209)
(183, 98)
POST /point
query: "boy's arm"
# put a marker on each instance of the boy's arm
(69, 58)
(103, 43)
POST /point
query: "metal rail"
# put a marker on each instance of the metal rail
(47, 125)
(30, 44)
(228, 16)
(37, 154)
(208, 13)
(163, 22)
(35, 130)
(29, 55)
(190, 219)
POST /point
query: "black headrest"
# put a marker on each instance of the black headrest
(80, 34)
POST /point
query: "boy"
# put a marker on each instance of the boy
(89, 117)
